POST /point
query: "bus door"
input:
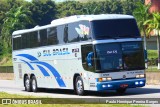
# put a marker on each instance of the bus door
(88, 64)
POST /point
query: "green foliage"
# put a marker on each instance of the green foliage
(153, 23)
(16, 18)
(152, 54)
(141, 14)
(69, 8)
(43, 11)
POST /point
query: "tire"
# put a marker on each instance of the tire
(34, 84)
(79, 87)
(27, 84)
(121, 90)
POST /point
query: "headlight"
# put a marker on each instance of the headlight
(140, 76)
(104, 79)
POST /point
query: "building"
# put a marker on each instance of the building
(155, 5)
(151, 43)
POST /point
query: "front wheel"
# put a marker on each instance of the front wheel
(79, 86)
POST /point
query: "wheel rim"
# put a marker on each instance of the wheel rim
(27, 83)
(79, 86)
(33, 84)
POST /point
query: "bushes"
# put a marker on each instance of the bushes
(152, 57)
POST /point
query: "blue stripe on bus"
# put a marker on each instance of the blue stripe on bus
(30, 57)
(54, 72)
(45, 73)
(28, 64)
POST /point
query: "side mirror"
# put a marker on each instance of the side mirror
(90, 59)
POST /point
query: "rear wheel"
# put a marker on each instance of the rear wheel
(79, 87)
(121, 90)
(27, 84)
(34, 84)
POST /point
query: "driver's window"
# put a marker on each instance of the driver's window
(88, 57)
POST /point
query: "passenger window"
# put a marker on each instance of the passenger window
(60, 33)
(17, 43)
(34, 39)
(52, 36)
(43, 37)
(73, 36)
(83, 30)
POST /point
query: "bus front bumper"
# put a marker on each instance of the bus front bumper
(116, 84)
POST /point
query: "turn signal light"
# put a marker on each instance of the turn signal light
(104, 79)
(140, 76)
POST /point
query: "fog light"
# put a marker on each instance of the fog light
(104, 86)
(109, 85)
(141, 82)
(136, 83)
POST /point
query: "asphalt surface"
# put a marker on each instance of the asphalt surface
(149, 91)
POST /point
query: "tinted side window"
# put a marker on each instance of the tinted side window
(43, 37)
(34, 39)
(52, 36)
(73, 36)
(61, 35)
(25, 40)
(84, 30)
(16, 43)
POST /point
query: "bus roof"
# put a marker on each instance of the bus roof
(75, 18)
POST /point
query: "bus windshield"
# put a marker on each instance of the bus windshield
(114, 29)
(119, 56)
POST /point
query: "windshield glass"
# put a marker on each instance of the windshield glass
(115, 28)
(119, 56)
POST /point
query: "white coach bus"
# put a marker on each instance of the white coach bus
(84, 52)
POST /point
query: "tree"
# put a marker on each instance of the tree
(141, 14)
(91, 8)
(69, 8)
(16, 19)
(44, 11)
(154, 24)
(128, 6)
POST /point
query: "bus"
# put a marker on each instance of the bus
(81, 52)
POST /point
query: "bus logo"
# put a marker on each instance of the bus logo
(39, 54)
(124, 76)
(112, 52)
(83, 30)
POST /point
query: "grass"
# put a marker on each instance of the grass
(152, 54)
(6, 60)
(152, 69)
(6, 95)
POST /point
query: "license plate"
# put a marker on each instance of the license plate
(124, 85)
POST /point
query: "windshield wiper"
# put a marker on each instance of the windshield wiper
(134, 68)
(108, 70)
(128, 36)
(107, 37)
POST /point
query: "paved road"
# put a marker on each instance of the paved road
(149, 91)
